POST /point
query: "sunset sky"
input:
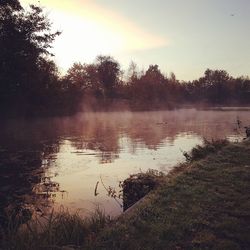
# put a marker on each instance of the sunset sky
(183, 36)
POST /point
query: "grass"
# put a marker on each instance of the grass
(58, 230)
(202, 204)
(201, 151)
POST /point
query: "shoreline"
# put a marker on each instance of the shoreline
(201, 204)
(193, 209)
(115, 107)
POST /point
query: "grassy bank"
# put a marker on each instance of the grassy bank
(61, 230)
(202, 204)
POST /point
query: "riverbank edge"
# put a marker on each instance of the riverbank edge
(200, 204)
(166, 218)
(173, 173)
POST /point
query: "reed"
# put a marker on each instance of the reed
(54, 231)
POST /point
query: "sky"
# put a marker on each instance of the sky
(181, 36)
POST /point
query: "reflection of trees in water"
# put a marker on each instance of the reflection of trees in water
(16, 179)
(100, 137)
(20, 172)
(102, 131)
(28, 145)
(107, 157)
(45, 192)
(167, 126)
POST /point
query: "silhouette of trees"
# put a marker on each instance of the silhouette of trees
(152, 84)
(216, 83)
(152, 89)
(84, 78)
(13, 4)
(108, 73)
(241, 89)
(100, 79)
(30, 83)
(25, 66)
(218, 87)
(78, 77)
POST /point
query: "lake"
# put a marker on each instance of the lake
(70, 163)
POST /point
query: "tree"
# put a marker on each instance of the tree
(241, 89)
(25, 40)
(215, 82)
(13, 4)
(108, 72)
(133, 74)
(77, 76)
(153, 75)
(48, 74)
(152, 84)
(83, 78)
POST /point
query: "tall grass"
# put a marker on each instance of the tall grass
(54, 231)
(201, 151)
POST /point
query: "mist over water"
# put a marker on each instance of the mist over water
(77, 152)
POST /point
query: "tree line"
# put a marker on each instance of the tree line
(31, 85)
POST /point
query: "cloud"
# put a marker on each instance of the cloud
(90, 29)
(129, 34)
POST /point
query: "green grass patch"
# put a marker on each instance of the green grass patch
(61, 229)
(201, 204)
(204, 205)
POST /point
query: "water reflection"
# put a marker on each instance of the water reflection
(59, 161)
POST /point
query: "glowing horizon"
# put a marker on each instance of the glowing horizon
(184, 37)
(89, 30)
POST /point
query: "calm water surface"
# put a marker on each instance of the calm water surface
(76, 153)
